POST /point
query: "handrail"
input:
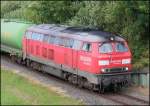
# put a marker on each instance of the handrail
(17, 21)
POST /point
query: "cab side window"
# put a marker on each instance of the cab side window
(34, 36)
(86, 47)
(57, 40)
(51, 39)
(28, 34)
(45, 39)
(71, 41)
(63, 42)
(67, 42)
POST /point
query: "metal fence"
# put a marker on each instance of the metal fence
(140, 78)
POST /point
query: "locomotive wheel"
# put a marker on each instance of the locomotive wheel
(119, 86)
(28, 63)
(102, 90)
(80, 82)
(13, 58)
(65, 76)
(74, 79)
(90, 86)
(115, 88)
(70, 78)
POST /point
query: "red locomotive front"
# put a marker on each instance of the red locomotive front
(114, 57)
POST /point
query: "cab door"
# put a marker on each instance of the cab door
(85, 57)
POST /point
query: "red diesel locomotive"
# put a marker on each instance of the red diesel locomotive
(87, 57)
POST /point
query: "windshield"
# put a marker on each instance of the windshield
(105, 48)
(108, 48)
(120, 47)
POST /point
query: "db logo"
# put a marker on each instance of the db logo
(86, 59)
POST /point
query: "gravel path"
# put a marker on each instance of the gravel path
(59, 85)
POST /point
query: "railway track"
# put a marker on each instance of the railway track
(134, 98)
(118, 98)
(121, 98)
(124, 99)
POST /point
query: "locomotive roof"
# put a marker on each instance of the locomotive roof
(84, 34)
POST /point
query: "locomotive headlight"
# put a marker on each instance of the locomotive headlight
(103, 62)
(103, 70)
(126, 61)
(126, 68)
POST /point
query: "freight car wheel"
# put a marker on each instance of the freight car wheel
(19, 60)
(28, 63)
(13, 58)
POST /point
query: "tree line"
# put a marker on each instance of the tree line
(130, 19)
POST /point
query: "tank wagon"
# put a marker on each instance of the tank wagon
(87, 57)
(12, 33)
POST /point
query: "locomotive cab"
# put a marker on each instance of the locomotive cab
(114, 57)
(113, 62)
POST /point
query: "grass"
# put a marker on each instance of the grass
(141, 59)
(16, 90)
(141, 63)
